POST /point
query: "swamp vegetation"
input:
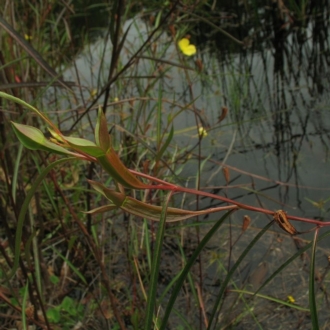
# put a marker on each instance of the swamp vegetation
(164, 164)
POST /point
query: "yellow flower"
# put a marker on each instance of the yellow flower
(186, 48)
(93, 92)
(291, 300)
(202, 132)
(27, 37)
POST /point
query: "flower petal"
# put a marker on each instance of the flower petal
(186, 48)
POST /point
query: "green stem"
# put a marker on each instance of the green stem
(24, 209)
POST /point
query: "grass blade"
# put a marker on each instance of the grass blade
(165, 145)
(288, 262)
(24, 305)
(16, 169)
(312, 302)
(187, 267)
(73, 268)
(32, 52)
(278, 301)
(151, 302)
(223, 287)
(24, 208)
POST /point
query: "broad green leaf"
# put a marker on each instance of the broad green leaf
(114, 166)
(68, 305)
(53, 315)
(54, 279)
(79, 141)
(78, 144)
(84, 146)
(102, 136)
(32, 138)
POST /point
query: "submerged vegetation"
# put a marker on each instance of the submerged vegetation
(119, 206)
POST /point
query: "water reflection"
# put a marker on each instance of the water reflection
(276, 93)
(278, 89)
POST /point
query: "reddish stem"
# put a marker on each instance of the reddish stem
(169, 186)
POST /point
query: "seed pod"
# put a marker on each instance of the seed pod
(223, 114)
(226, 174)
(246, 222)
(282, 220)
(199, 65)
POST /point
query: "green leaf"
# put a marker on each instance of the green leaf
(84, 146)
(278, 301)
(54, 279)
(156, 260)
(30, 107)
(57, 135)
(32, 138)
(185, 271)
(102, 136)
(24, 305)
(291, 260)
(68, 305)
(114, 166)
(165, 145)
(79, 142)
(14, 301)
(221, 293)
(153, 212)
(116, 197)
(53, 315)
(144, 210)
(23, 211)
(73, 268)
(312, 295)
(102, 209)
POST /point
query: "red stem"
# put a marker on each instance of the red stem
(169, 186)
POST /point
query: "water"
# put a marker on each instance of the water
(274, 140)
(278, 119)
